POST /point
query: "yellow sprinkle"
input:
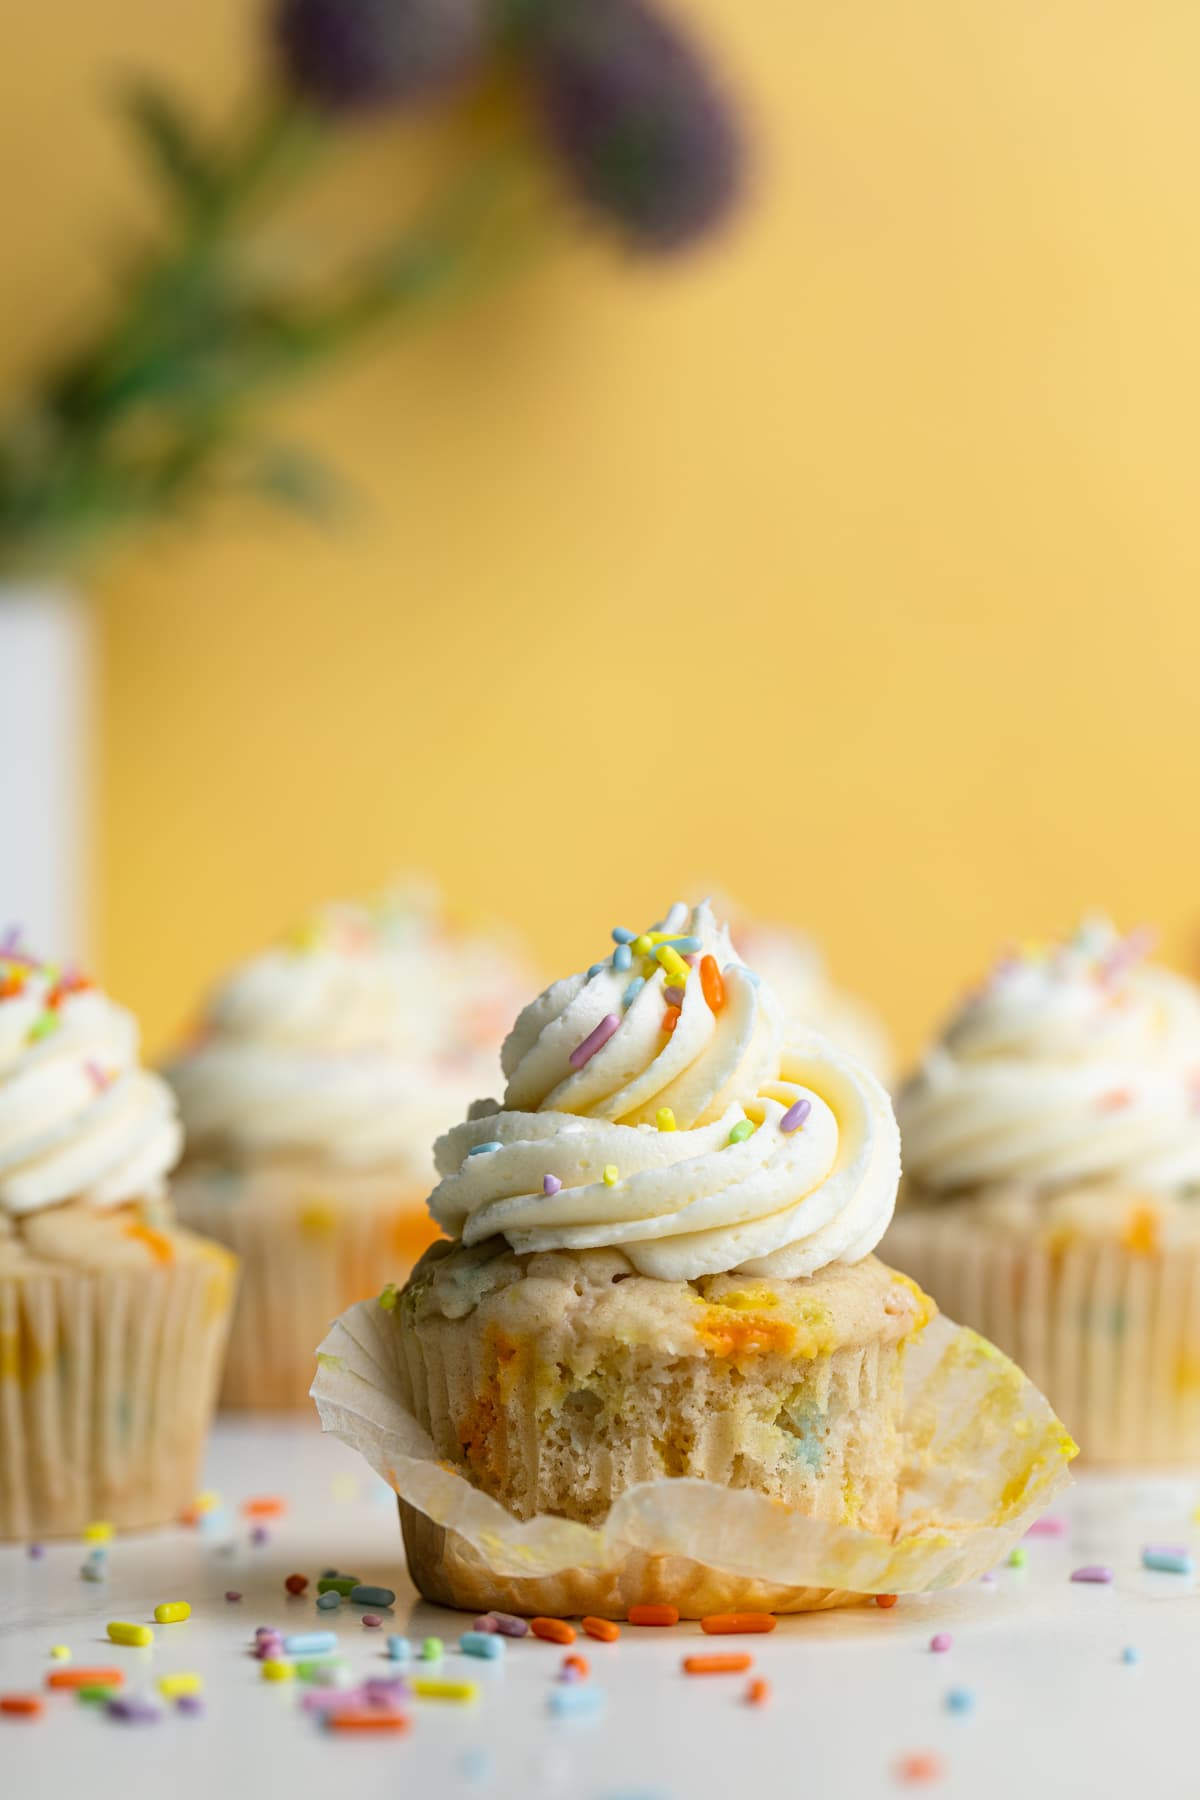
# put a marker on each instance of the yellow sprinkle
(665, 1119)
(611, 1174)
(275, 1670)
(641, 946)
(98, 1532)
(206, 1502)
(121, 1632)
(169, 1612)
(673, 963)
(186, 1681)
(60, 1652)
(444, 1690)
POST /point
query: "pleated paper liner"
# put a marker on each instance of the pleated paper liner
(984, 1455)
(311, 1241)
(1110, 1332)
(108, 1382)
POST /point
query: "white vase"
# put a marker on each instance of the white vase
(46, 680)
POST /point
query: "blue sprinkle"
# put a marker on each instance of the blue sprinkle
(365, 1595)
(633, 990)
(481, 1150)
(582, 1701)
(1170, 1562)
(481, 1643)
(684, 945)
(329, 1602)
(960, 1700)
(596, 968)
(399, 1649)
(622, 957)
(1131, 1654)
(621, 936)
(309, 1643)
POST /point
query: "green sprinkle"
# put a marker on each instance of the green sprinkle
(94, 1695)
(389, 1297)
(1018, 1558)
(741, 1131)
(431, 1650)
(338, 1584)
(48, 1022)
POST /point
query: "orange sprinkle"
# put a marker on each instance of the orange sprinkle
(604, 1629)
(712, 983)
(264, 1506)
(580, 1664)
(11, 986)
(670, 1019)
(157, 1242)
(77, 1678)
(886, 1600)
(733, 1662)
(650, 1614)
(758, 1692)
(728, 1624)
(922, 1766)
(22, 1706)
(367, 1721)
(555, 1631)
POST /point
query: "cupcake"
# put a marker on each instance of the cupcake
(660, 1267)
(793, 966)
(1052, 1198)
(323, 1071)
(112, 1319)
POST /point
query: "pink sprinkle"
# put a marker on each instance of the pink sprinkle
(691, 958)
(941, 1640)
(486, 1623)
(795, 1115)
(550, 1184)
(595, 1040)
(322, 1699)
(371, 1619)
(96, 1074)
(673, 996)
(1098, 1572)
(1049, 1525)
(509, 1625)
(988, 1578)
(232, 1595)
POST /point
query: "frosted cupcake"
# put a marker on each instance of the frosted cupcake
(1052, 1149)
(324, 1071)
(112, 1319)
(661, 1267)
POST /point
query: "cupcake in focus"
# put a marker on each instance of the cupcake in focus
(1052, 1199)
(112, 1319)
(324, 1069)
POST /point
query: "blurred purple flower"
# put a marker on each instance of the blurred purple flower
(641, 125)
(351, 54)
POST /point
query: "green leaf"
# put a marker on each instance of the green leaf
(169, 139)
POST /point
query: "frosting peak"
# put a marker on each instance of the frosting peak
(658, 1102)
(79, 1118)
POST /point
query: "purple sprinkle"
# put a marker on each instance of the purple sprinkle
(232, 1595)
(1050, 1525)
(11, 941)
(322, 1699)
(595, 1040)
(941, 1640)
(133, 1711)
(266, 1631)
(385, 1687)
(189, 1703)
(36, 1552)
(486, 1623)
(550, 1184)
(371, 1619)
(1098, 1572)
(989, 1579)
(569, 1673)
(260, 1535)
(510, 1626)
(673, 996)
(795, 1115)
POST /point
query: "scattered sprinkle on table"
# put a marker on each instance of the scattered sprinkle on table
(363, 1595)
(653, 1614)
(510, 1625)
(1131, 1654)
(22, 1706)
(603, 1630)
(172, 1612)
(1049, 1525)
(886, 1600)
(121, 1631)
(60, 1653)
(1098, 1573)
(370, 1719)
(1169, 1559)
(183, 1681)
(428, 1688)
(432, 1649)
(488, 1644)
(554, 1631)
(309, 1643)
(82, 1678)
(264, 1506)
(960, 1700)
(296, 1584)
(329, 1602)
(940, 1641)
(98, 1532)
(734, 1662)
(371, 1620)
(732, 1624)
(399, 1649)
(922, 1765)
(576, 1701)
(1018, 1558)
(758, 1692)
(232, 1595)
(132, 1711)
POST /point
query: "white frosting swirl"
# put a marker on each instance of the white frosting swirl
(813, 1183)
(356, 1040)
(1073, 1063)
(79, 1118)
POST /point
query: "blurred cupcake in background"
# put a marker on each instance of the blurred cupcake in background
(793, 967)
(323, 1072)
(112, 1320)
(1052, 1153)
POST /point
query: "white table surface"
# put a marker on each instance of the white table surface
(1056, 1711)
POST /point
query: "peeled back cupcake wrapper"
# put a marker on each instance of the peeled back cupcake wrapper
(985, 1455)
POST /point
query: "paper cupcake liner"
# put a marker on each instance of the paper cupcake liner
(108, 1383)
(310, 1243)
(1111, 1335)
(983, 1456)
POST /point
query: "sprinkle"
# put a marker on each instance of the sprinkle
(329, 1601)
(185, 1681)
(296, 1584)
(621, 935)
(731, 1663)
(388, 1300)
(1169, 1560)
(260, 1535)
(555, 1631)
(275, 1669)
(741, 1131)
(1131, 1654)
(672, 962)
(310, 1643)
(60, 1653)
(940, 1641)
(93, 1571)
(99, 1532)
(795, 1115)
(580, 1698)
(120, 1631)
(550, 1184)
(338, 1584)
(371, 1619)
(1095, 1572)
(133, 1712)
(49, 1021)
(595, 969)
(431, 1649)
(622, 957)
(758, 1692)
(603, 1630)
(595, 1040)
(651, 1614)
(711, 983)
(1018, 1558)
(190, 1704)
(485, 1149)
(485, 1622)
(664, 1118)
(575, 1667)
(728, 1624)
(922, 1765)
(684, 946)
(372, 1720)
(673, 996)
(373, 1596)
(233, 1596)
(264, 1506)
(93, 1696)
(333, 1669)
(633, 990)
(960, 1700)
(399, 1649)
(22, 1706)
(36, 1552)
(611, 1174)
(81, 1678)
(171, 1612)
(428, 1689)
(642, 945)
(1049, 1525)
(670, 1019)
(886, 1600)
(481, 1643)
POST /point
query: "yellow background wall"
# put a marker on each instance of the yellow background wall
(854, 563)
